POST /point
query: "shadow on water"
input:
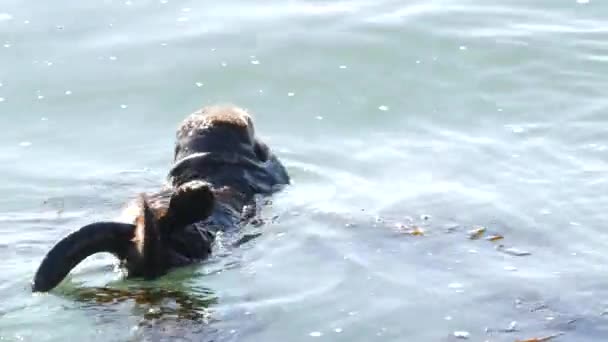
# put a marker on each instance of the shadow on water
(152, 304)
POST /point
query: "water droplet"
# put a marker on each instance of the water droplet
(2, 99)
(26, 22)
(319, 117)
(68, 92)
(255, 62)
(316, 334)
(291, 94)
(112, 58)
(224, 64)
(199, 84)
(462, 47)
(44, 119)
(5, 16)
(163, 44)
(1, 84)
(418, 62)
(342, 66)
(7, 45)
(123, 106)
(40, 97)
(448, 318)
(338, 330)
(383, 108)
(25, 144)
(164, 1)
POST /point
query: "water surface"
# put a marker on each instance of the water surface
(393, 117)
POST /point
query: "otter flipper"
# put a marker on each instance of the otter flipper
(192, 202)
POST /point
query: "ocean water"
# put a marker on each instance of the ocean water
(408, 128)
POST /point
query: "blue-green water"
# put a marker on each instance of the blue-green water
(446, 115)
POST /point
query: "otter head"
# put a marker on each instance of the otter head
(141, 246)
(219, 129)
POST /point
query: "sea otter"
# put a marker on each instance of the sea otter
(219, 166)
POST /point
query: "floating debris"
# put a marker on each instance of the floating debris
(510, 268)
(383, 108)
(2, 99)
(495, 238)
(541, 339)
(199, 84)
(476, 233)
(124, 106)
(5, 16)
(319, 117)
(68, 92)
(25, 144)
(112, 58)
(338, 330)
(290, 94)
(316, 334)
(342, 67)
(462, 334)
(463, 47)
(255, 62)
(416, 231)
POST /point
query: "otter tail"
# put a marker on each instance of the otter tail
(94, 238)
(138, 245)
